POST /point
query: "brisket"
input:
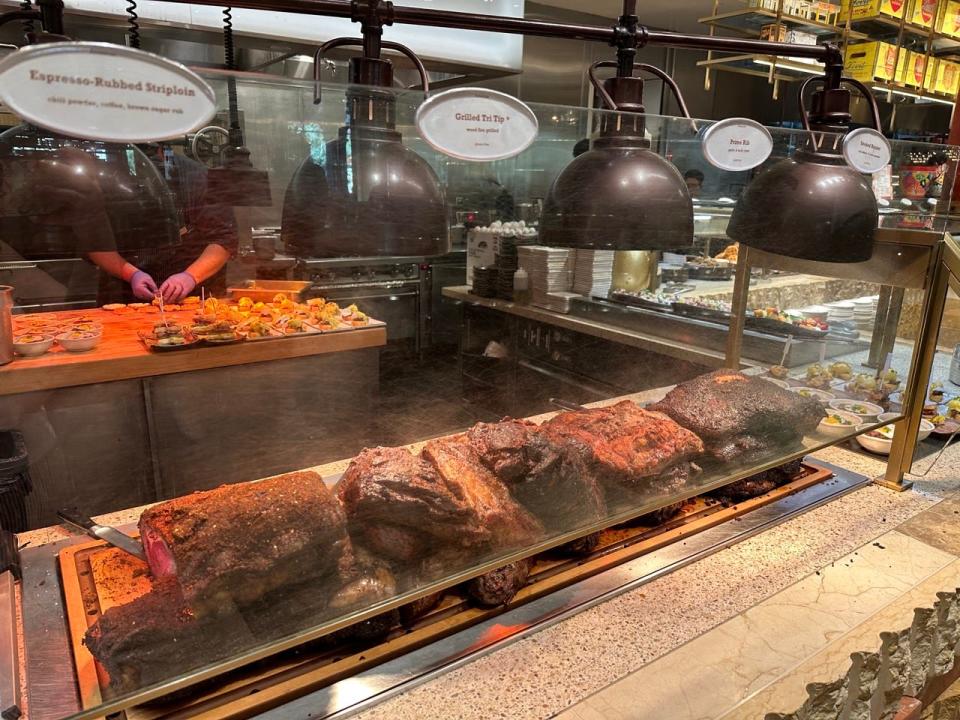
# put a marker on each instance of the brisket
(625, 446)
(740, 417)
(549, 480)
(238, 542)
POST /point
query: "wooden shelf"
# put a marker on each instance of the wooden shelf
(759, 66)
(749, 21)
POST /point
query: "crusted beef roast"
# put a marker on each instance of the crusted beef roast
(625, 445)
(238, 542)
(156, 636)
(740, 417)
(404, 507)
(548, 479)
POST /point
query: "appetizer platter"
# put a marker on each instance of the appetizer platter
(223, 322)
(644, 299)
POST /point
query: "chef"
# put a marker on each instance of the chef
(207, 239)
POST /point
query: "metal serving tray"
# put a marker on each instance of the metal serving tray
(264, 290)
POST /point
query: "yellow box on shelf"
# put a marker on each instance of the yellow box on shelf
(920, 71)
(949, 21)
(874, 61)
(864, 9)
(948, 78)
(923, 12)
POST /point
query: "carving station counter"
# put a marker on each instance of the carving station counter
(126, 419)
(866, 542)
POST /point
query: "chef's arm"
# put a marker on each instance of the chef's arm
(113, 263)
(213, 257)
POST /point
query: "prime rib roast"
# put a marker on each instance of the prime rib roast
(739, 417)
(238, 542)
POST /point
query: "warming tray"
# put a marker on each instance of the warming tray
(264, 290)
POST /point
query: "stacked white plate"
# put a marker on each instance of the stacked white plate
(865, 312)
(593, 272)
(841, 311)
(550, 271)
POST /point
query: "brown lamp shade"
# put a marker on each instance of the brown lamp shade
(811, 206)
(620, 195)
(365, 195)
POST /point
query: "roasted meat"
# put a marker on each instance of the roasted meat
(507, 524)
(740, 417)
(405, 507)
(625, 446)
(157, 636)
(238, 542)
(549, 480)
(499, 586)
(758, 484)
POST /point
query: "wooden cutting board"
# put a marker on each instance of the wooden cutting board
(121, 355)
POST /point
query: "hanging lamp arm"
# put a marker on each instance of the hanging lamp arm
(644, 67)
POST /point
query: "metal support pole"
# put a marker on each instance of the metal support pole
(943, 256)
(738, 309)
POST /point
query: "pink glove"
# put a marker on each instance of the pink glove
(176, 287)
(143, 286)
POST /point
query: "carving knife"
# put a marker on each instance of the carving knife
(74, 518)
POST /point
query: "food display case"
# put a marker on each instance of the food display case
(325, 539)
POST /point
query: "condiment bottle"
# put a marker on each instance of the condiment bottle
(521, 286)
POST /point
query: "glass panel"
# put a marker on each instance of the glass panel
(330, 283)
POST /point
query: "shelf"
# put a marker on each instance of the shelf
(787, 70)
(749, 21)
(887, 28)
(912, 93)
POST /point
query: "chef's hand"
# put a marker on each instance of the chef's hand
(176, 287)
(143, 285)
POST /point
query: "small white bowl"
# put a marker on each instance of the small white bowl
(838, 431)
(881, 446)
(33, 349)
(79, 344)
(868, 413)
(821, 395)
(926, 427)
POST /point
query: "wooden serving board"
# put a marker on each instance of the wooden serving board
(121, 355)
(96, 577)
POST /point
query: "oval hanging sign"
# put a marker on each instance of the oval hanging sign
(476, 124)
(737, 144)
(101, 91)
(866, 150)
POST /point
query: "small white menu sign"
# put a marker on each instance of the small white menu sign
(101, 91)
(477, 124)
(737, 144)
(866, 150)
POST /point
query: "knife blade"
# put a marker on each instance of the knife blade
(118, 539)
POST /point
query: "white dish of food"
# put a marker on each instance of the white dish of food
(838, 423)
(926, 427)
(79, 340)
(32, 344)
(880, 440)
(821, 395)
(867, 412)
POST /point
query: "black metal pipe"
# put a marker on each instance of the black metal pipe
(51, 16)
(15, 15)
(827, 54)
